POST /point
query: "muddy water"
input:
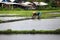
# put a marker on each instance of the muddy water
(30, 37)
(42, 24)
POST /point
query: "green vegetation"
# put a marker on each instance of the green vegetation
(52, 4)
(9, 31)
(28, 13)
(0, 21)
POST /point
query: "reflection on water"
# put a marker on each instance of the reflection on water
(30, 37)
(10, 18)
(42, 24)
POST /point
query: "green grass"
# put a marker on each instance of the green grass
(0, 21)
(9, 31)
(28, 13)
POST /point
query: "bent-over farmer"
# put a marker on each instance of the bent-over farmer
(38, 15)
(34, 14)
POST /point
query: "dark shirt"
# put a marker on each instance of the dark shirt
(38, 13)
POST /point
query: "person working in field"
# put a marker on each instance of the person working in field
(36, 14)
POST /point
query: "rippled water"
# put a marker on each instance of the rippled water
(42, 24)
(30, 37)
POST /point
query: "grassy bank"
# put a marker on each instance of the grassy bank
(1, 21)
(28, 13)
(9, 31)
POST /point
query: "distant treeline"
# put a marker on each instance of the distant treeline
(9, 31)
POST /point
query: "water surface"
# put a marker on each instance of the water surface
(30, 37)
(42, 24)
